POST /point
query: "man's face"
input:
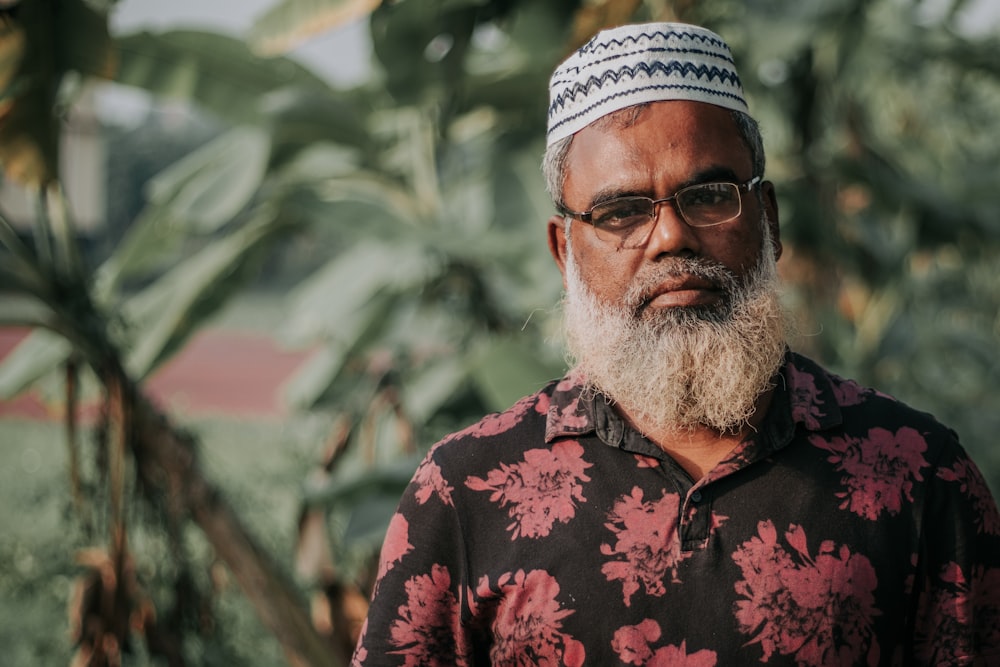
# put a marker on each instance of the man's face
(688, 329)
(671, 145)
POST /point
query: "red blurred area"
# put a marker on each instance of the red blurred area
(219, 372)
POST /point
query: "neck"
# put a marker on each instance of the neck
(698, 448)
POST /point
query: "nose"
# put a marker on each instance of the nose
(670, 234)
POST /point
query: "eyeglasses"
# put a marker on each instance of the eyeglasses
(628, 221)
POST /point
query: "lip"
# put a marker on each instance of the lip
(681, 292)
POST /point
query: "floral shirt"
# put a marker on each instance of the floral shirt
(850, 530)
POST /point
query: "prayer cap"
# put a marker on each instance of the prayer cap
(637, 63)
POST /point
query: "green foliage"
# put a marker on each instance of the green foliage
(35, 573)
(420, 195)
(220, 72)
(258, 465)
(169, 310)
(290, 21)
(883, 144)
(36, 357)
(417, 184)
(45, 46)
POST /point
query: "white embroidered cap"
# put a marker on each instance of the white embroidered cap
(647, 62)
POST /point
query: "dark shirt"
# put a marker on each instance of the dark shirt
(849, 530)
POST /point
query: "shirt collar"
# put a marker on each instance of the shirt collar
(803, 396)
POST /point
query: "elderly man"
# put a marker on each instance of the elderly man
(692, 493)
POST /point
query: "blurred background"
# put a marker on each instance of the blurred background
(256, 257)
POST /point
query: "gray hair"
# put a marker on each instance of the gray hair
(554, 160)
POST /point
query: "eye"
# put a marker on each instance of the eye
(709, 195)
(622, 213)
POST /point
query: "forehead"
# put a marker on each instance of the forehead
(655, 150)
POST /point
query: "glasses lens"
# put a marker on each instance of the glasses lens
(709, 203)
(624, 220)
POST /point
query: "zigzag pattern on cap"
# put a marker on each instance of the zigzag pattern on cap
(708, 92)
(567, 68)
(649, 32)
(635, 64)
(595, 44)
(671, 67)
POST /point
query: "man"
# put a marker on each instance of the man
(692, 493)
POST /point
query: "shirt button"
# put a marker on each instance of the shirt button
(696, 497)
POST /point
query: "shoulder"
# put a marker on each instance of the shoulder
(825, 400)
(522, 422)
(493, 443)
(887, 452)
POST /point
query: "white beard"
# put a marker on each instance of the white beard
(679, 368)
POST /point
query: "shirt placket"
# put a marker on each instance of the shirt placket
(694, 522)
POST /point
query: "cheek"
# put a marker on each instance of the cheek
(739, 256)
(605, 272)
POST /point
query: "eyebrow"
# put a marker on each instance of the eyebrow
(713, 174)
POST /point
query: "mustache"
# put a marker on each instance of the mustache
(649, 278)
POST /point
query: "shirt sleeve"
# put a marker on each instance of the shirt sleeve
(415, 615)
(957, 621)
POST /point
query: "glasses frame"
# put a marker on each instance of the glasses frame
(587, 216)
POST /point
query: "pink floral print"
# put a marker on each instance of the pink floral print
(646, 461)
(496, 424)
(487, 560)
(805, 397)
(633, 644)
(396, 544)
(818, 610)
(361, 654)
(646, 546)
(425, 631)
(527, 629)
(568, 418)
(570, 383)
(565, 414)
(879, 470)
(849, 393)
(430, 483)
(540, 490)
(972, 484)
(959, 614)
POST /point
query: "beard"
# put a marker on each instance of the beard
(683, 367)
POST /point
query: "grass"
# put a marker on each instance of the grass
(259, 466)
(35, 564)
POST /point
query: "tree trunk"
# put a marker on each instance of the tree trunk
(167, 464)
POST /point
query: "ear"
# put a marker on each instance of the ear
(557, 243)
(770, 199)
